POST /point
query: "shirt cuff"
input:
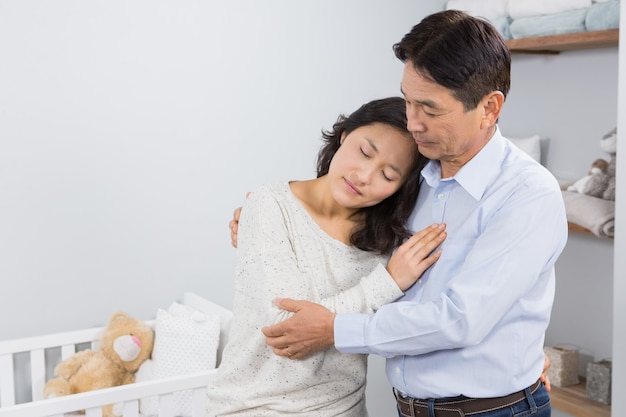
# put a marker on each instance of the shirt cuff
(350, 333)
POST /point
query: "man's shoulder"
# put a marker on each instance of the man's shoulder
(518, 163)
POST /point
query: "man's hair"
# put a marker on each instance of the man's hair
(384, 227)
(463, 53)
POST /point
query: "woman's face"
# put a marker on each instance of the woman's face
(371, 164)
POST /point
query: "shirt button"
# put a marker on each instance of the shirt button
(440, 196)
(397, 369)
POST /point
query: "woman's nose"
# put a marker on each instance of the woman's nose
(364, 175)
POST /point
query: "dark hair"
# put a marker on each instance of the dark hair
(384, 226)
(463, 53)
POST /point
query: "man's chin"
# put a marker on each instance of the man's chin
(428, 151)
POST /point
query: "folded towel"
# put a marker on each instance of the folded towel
(524, 8)
(489, 9)
(571, 21)
(592, 213)
(503, 25)
(603, 16)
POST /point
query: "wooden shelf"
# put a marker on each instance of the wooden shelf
(573, 400)
(575, 228)
(567, 42)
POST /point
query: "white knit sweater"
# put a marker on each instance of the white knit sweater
(282, 252)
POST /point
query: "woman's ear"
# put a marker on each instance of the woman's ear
(492, 106)
(343, 137)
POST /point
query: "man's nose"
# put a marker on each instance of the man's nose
(415, 119)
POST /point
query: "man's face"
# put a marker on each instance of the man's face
(441, 127)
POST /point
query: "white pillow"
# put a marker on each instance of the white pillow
(185, 342)
(531, 145)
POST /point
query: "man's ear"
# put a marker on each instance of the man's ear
(491, 106)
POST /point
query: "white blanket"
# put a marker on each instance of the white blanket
(489, 9)
(526, 8)
(592, 213)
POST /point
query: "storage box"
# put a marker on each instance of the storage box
(563, 369)
(599, 381)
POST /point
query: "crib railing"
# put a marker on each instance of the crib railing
(53, 348)
(126, 397)
(36, 349)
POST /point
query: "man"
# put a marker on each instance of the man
(468, 337)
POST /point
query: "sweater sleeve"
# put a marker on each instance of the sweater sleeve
(368, 295)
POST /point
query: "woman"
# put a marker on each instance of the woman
(327, 240)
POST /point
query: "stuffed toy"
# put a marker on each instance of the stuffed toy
(597, 167)
(602, 185)
(125, 344)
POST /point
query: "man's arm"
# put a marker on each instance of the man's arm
(311, 329)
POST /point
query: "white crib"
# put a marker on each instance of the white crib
(127, 396)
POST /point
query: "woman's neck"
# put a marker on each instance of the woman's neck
(316, 197)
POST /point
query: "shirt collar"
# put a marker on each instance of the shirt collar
(477, 173)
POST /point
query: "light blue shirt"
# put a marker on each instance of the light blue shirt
(474, 323)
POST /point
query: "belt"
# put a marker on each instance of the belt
(461, 407)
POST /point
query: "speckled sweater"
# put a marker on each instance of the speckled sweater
(282, 252)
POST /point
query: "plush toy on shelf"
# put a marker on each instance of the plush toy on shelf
(125, 344)
(598, 167)
(603, 185)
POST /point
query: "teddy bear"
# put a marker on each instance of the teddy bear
(125, 344)
(602, 185)
(597, 167)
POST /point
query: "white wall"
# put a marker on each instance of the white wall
(130, 130)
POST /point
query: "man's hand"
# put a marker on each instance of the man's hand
(309, 330)
(544, 375)
(233, 225)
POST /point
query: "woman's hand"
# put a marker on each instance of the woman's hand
(416, 255)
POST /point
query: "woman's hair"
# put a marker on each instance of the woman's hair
(384, 227)
(460, 52)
